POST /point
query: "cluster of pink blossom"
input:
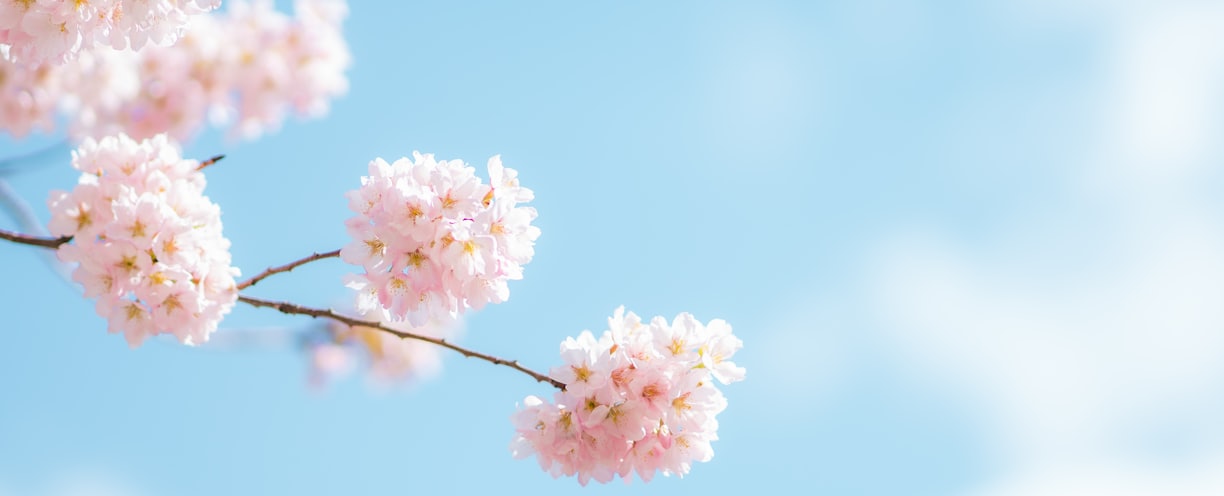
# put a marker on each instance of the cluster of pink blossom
(390, 359)
(28, 96)
(249, 66)
(434, 240)
(55, 31)
(147, 241)
(640, 398)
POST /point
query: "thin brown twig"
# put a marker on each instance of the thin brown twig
(294, 309)
(286, 268)
(21, 212)
(209, 162)
(26, 239)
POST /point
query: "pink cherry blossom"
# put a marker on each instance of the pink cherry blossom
(55, 31)
(639, 399)
(250, 66)
(434, 240)
(389, 359)
(28, 95)
(327, 360)
(147, 242)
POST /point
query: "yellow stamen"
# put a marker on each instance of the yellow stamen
(415, 212)
(375, 246)
(416, 258)
(137, 229)
(650, 391)
(581, 373)
(83, 219)
(171, 303)
(134, 311)
(170, 246)
(127, 264)
(680, 404)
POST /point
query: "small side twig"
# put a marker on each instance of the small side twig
(294, 309)
(209, 162)
(286, 268)
(21, 212)
(26, 239)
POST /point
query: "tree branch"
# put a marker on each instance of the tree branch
(21, 212)
(209, 162)
(25, 239)
(293, 309)
(286, 268)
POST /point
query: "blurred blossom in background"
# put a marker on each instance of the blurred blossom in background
(971, 249)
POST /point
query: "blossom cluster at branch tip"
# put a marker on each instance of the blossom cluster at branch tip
(147, 241)
(389, 359)
(638, 399)
(249, 66)
(55, 31)
(434, 240)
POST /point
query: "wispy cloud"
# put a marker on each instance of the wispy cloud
(79, 483)
(1090, 333)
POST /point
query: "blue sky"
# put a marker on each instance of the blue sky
(970, 249)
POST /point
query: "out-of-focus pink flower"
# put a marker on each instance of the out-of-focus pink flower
(250, 66)
(147, 241)
(55, 31)
(388, 359)
(28, 95)
(639, 399)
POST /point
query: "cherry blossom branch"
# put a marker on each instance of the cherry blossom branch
(286, 268)
(209, 162)
(293, 309)
(21, 212)
(26, 239)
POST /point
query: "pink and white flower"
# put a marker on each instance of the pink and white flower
(28, 94)
(55, 31)
(639, 399)
(388, 359)
(433, 240)
(250, 66)
(147, 242)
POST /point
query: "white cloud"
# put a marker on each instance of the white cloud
(1205, 479)
(80, 483)
(1070, 365)
(1164, 99)
(1093, 339)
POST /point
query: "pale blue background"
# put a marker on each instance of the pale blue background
(740, 160)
